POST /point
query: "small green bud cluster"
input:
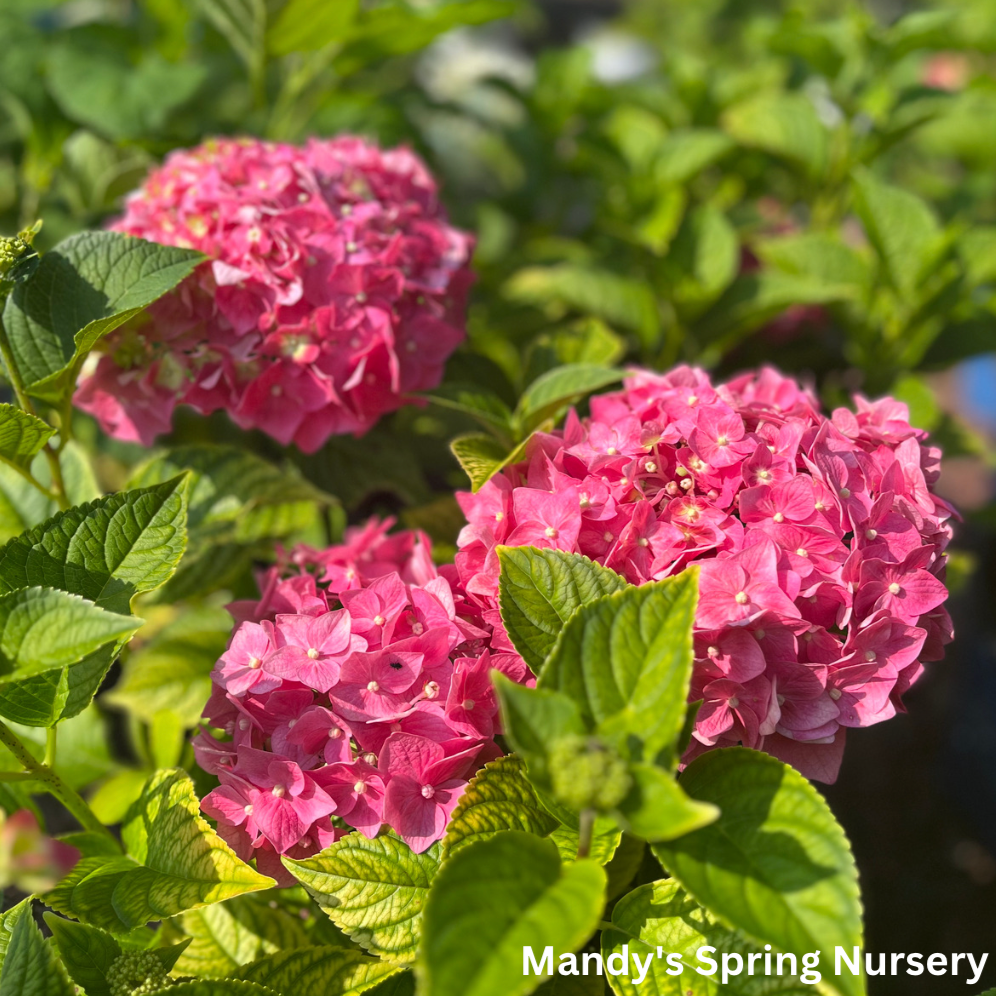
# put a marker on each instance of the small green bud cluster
(587, 774)
(136, 973)
(15, 250)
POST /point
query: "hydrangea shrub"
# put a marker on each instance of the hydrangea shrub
(820, 541)
(334, 287)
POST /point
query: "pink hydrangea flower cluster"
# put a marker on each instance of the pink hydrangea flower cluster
(354, 693)
(334, 287)
(820, 542)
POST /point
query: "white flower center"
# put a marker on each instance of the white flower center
(741, 598)
(835, 693)
(379, 620)
(428, 791)
(334, 733)
(870, 655)
(468, 704)
(360, 787)
(247, 810)
(431, 689)
(733, 702)
(313, 653)
(550, 532)
(778, 517)
(373, 686)
(894, 588)
(255, 663)
(279, 791)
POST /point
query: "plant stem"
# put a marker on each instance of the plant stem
(586, 829)
(51, 745)
(52, 783)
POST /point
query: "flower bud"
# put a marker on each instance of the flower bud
(587, 774)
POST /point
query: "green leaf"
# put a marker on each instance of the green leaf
(84, 288)
(775, 864)
(703, 259)
(658, 808)
(235, 496)
(319, 971)
(228, 935)
(216, 987)
(373, 890)
(492, 898)
(977, 248)
(175, 863)
(626, 660)
(8, 921)
(550, 395)
(172, 671)
(307, 25)
(605, 839)
(43, 628)
(687, 151)
(621, 301)
(481, 405)
(784, 124)
(87, 953)
(901, 227)
(661, 915)
(242, 23)
(97, 85)
(819, 256)
(539, 590)
(499, 797)
(533, 719)
(107, 551)
(21, 435)
(480, 456)
(30, 967)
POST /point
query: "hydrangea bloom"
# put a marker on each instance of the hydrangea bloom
(354, 693)
(820, 542)
(334, 287)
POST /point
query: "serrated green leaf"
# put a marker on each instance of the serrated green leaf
(551, 394)
(172, 672)
(499, 797)
(658, 808)
(84, 288)
(8, 920)
(21, 435)
(626, 660)
(533, 719)
(539, 590)
(319, 971)
(661, 914)
(481, 405)
(901, 227)
(235, 496)
(492, 898)
(776, 864)
(784, 124)
(605, 839)
(216, 987)
(175, 863)
(480, 456)
(373, 890)
(44, 628)
(87, 953)
(30, 967)
(228, 935)
(307, 25)
(107, 551)
(621, 301)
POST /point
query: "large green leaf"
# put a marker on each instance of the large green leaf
(175, 863)
(776, 864)
(228, 935)
(8, 920)
(44, 628)
(901, 227)
(493, 898)
(21, 435)
(657, 807)
(235, 496)
(481, 457)
(661, 916)
(626, 660)
(550, 395)
(622, 301)
(539, 590)
(373, 890)
(307, 25)
(319, 971)
(107, 551)
(216, 987)
(172, 671)
(499, 797)
(87, 953)
(30, 967)
(534, 719)
(687, 151)
(784, 124)
(84, 288)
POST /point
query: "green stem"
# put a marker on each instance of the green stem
(58, 482)
(30, 478)
(52, 783)
(51, 745)
(586, 829)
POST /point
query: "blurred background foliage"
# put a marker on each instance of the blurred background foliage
(723, 182)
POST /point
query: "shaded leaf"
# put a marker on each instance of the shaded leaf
(319, 971)
(21, 435)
